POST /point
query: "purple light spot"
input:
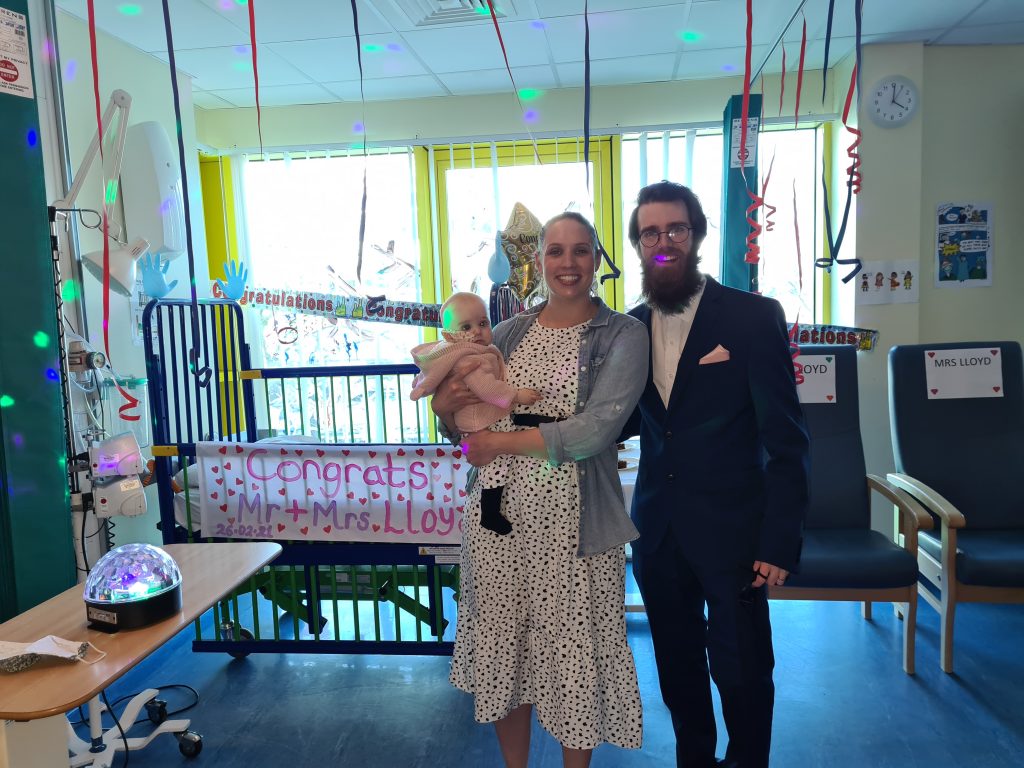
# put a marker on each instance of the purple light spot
(531, 116)
(358, 128)
(728, 68)
(394, 47)
(52, 375)
(242, 50)
(538, 24)
(165, 206)
(17, 439)
(32, 137)
(226, 5)
(70, 69)
(48, 48)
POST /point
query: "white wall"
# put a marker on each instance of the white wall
(962, 145)
(147, 80)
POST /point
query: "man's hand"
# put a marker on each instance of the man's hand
(481, 447)
(453, 394)
(766, 573)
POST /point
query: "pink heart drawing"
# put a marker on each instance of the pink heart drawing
(280, 527)
(375, 527)
(298, 453)
(400, 452)
(227, 465)
(830, 398)
(440, 452)
(223, 449)
(434, 464)
(239, 449)
(255, 487)
(284, 452)
(419, 451)
(219, 481)
(461, 492)
(231, 491)
(281, 491)
(362, 500)
(996, 389)
(994, 352)
(437, 478)
(238, 481)
(319, 453)
(931, 354)
(223, 507)
(215, 470)
(327, 529)
(447, 486)
(309, 491)
(304, 530)
(345, 451)
(430, 496)
(447, 498)
(401, 497)
(457, 453)
(456, 465)
(375, 495)
(351, 494)
(373, 454)
(213, 495)
(231, 520)
(935, 391)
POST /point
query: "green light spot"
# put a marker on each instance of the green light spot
(6, 401)
(689, 36)
(111, 196)
(41, 339)
(372, 47)
(529, 94)
(241, 2)
(129, 9)
(242, 65)
(70, 291)
(62, 462)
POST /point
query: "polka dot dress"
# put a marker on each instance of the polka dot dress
(537, 624)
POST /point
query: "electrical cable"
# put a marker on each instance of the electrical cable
(124, 738)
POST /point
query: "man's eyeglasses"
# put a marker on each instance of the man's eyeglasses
(680, 233)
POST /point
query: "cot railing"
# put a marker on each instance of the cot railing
(319, 597)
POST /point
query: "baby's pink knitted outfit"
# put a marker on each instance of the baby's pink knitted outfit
(436, 359)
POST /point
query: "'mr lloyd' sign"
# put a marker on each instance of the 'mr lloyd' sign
(375, 493)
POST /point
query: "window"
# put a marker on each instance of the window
(695, 158)
(302, 216)
(479, 186)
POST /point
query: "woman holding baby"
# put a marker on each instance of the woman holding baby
(541, 614)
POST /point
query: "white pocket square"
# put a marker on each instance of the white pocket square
(717, 355)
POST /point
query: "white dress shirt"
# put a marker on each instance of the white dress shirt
(668, 337)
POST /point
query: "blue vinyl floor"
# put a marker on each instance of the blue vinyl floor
(843, 700)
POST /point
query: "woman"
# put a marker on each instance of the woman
(541, 612)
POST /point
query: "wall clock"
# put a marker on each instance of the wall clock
(893, 101)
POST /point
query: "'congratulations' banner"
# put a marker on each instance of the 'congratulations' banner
(370, 493)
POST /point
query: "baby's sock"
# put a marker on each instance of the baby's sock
(490, 511)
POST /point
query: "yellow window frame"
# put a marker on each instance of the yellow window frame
(605, 156)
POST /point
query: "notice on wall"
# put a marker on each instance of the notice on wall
(15, 62)
(889, 282)
(963, 245)
(961, 373)
(369, 493)
(819, 378)
(749, 152)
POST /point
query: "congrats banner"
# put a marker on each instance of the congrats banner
(370, 493)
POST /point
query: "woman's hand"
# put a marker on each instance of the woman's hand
(481, 447)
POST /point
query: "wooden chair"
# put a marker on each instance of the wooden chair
(961, 458)
(843, 558)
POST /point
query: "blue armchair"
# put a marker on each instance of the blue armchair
(962, 459)
(843, 558)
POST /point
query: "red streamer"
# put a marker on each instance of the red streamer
(504, 53)
(800, 74)
(770, 210)
(853, 169)
(255, 69)
(794, 332)
(130, 402)
(753, 255)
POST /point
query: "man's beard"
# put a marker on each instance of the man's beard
(671, 290)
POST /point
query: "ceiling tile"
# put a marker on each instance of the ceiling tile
(279, 21)
(497, 80)
(617, 34)
(277, 95)
(996, 34)
(193, 25)
(997, 12)
(335, 58)
(719, 62)
(415, 87)
(475, 46)
(208, 100)
(638, 69)
(215, 69)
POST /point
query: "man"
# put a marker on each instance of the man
(721, 488)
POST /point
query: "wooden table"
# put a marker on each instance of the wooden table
(37, 698)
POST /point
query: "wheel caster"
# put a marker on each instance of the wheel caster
(243, 634)
(190, 743)
(156, 710)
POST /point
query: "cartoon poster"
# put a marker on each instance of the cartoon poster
(894, 281)
(963, 245)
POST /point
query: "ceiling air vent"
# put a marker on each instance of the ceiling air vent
(424, 13)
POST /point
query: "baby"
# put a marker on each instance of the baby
(466, 332)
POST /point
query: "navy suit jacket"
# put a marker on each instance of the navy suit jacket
(724, 467)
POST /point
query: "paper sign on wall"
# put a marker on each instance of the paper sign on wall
(819, 384)
(375, 493)
(960, 373)
(15, 63)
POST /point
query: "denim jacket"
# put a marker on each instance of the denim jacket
(613, 359)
